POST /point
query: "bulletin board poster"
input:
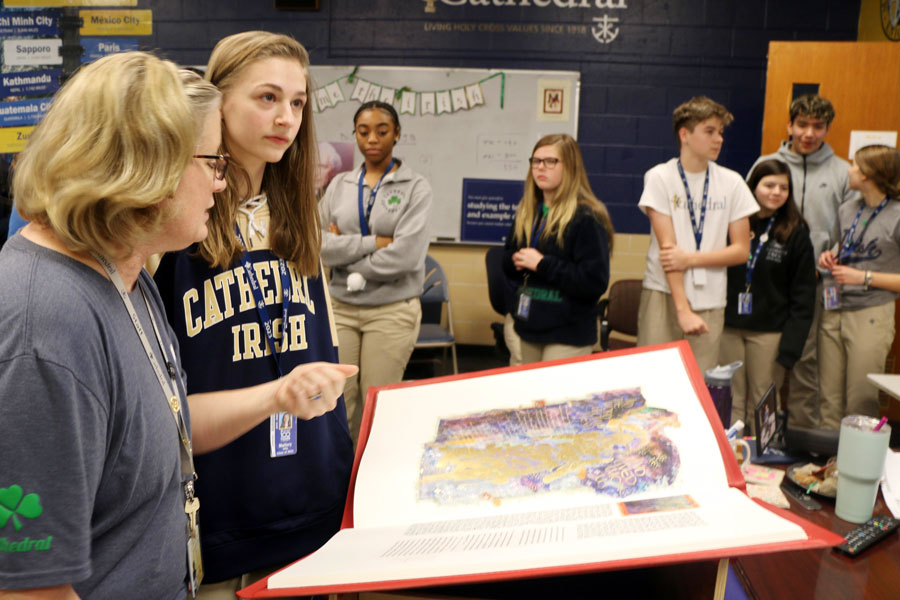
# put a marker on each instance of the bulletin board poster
(489, 209)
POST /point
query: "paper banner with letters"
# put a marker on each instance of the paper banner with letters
(408, 101)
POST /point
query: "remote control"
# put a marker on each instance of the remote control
(869, 533)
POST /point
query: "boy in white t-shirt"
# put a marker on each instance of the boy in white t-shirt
(699, 223)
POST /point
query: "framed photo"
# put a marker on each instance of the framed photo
(766, 420)
(553, 101)
(297, 4)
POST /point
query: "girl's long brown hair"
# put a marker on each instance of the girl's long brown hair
(574, 190)
(294, 230)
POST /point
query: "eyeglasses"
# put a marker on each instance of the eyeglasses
(547, 162)
(220, 165)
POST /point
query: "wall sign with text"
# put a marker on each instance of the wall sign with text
(29, 23)
(96, 48)
(23, 112)
(116, 22)
(12, 139)
(606, 17)
(25, 53)
(30, 83)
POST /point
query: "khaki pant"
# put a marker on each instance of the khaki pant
(757, 350)
(227, 590)
(378, 339)
(532, 352)
(852, 343)
(658, 324)
(513, 341)
(803, 380)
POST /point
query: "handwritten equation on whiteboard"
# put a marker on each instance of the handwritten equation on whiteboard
(506, 151)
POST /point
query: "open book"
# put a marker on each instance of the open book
(611, 461)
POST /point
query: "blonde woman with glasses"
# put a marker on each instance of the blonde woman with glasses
(97, 478)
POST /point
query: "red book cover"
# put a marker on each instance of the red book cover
(610, 461)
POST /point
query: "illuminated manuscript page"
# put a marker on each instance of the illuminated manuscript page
(406, 419)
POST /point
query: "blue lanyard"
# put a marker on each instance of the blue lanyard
(365, 213)
(538, 227)
(754, 254)
(849, 245)
(698, 228)
(260, 303)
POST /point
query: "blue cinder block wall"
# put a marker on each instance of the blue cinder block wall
(664, 52)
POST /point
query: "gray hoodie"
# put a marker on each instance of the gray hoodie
(821, 185)
(401, 211)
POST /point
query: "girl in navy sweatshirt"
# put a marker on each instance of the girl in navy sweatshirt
(250, 309)
(558, 252)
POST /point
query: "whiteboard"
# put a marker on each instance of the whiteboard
(476, 124)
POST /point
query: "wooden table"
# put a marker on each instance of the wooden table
(824, 574)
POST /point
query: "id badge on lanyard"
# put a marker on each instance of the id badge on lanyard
(282, 425)
(745, 298)
(831, 294)
(698, 275)
(173, 400)
(524, 307)
(745, 303)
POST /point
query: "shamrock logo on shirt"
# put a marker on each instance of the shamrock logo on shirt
(393, 202)
(13, 505)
